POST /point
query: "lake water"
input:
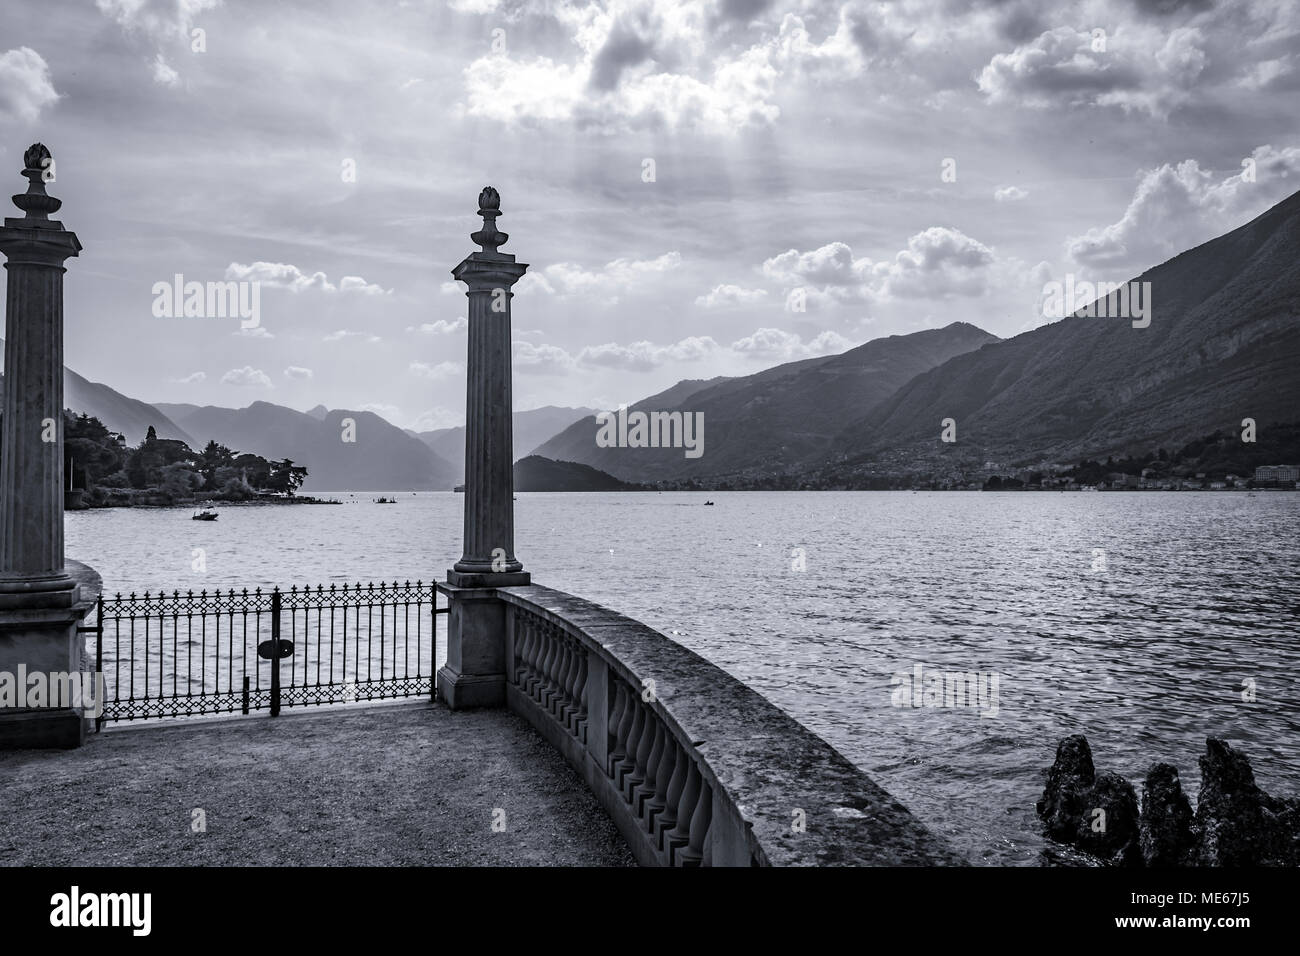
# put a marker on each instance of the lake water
(1132, 618)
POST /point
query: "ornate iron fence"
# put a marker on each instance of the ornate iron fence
(184, 654)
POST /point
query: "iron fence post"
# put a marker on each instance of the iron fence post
(275, 652)
(101, 685)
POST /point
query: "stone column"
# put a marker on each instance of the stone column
(40, 602)
(475, 671)
(31, 445)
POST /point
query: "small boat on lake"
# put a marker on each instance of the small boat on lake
(206, 513)
(385, 501)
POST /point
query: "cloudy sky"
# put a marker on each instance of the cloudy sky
(701, 187)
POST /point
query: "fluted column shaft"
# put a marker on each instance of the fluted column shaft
(32, 571)
(489, 440)
(489, 544)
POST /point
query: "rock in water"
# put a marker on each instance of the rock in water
(1112, 830)
(1097, 813)
(1238, 823)
(1165, 828)
(1068, 781)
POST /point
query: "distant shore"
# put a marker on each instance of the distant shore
(144, 500)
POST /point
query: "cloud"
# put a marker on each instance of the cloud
(341, 334)
(360, 285)
(651, 63)
(160, 20)
(1140, 68)
(568, 280)
(532, 359)
(255, 332)
(437, 417)
(1179, 206)
(163, 74)
(247, 377)
(193, 378)
(729, 295)
(775, 344)
(298, 373)
(282, 275)
(1010, 194)
(644, 356)
(25, 87)
(386, 412)
(938, 263)
(438, 372)
(441, 326)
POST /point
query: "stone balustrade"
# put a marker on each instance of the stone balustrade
(695, 768)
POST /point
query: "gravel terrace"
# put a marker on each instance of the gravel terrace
(411, 784)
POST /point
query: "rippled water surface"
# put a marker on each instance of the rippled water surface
(1132, 618)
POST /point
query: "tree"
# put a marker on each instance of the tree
(285, 477)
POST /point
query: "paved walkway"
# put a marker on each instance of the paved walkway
(404, 784)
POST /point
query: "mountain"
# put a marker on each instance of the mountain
(382, 458)
(531, 428)
(129, 416)
(536, 473)
(319, 412)
(1223, 344)
(773, 419)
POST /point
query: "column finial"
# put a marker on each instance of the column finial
(489, 207)
(36, 203)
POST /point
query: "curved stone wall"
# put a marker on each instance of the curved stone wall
(695, 768)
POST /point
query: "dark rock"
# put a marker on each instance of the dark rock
(1111, 824)
(1238, 824)
(1070, 778)
(1165, 828)
(1097, 813)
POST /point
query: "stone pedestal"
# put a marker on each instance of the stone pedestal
(46, 642)
(475, 671)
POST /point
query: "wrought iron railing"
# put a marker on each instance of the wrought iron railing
(182, 654)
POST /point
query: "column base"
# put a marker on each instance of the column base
(42, 729)
(463, 691)
(488, 579)
(21, 592)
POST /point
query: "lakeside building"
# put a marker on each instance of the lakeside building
(1277, 473)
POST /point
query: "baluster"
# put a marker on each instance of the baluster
(580, 697)
(570, 707)
(647, 788)
(539, 653)
(658, 800)
(564, 659)
(693, 853)
(662, 814)
(544, 666)
(633, 781)
(552, 690)
(633, 740)
(522, 638)
(533, 646)
(618, 725)
(680, 835)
